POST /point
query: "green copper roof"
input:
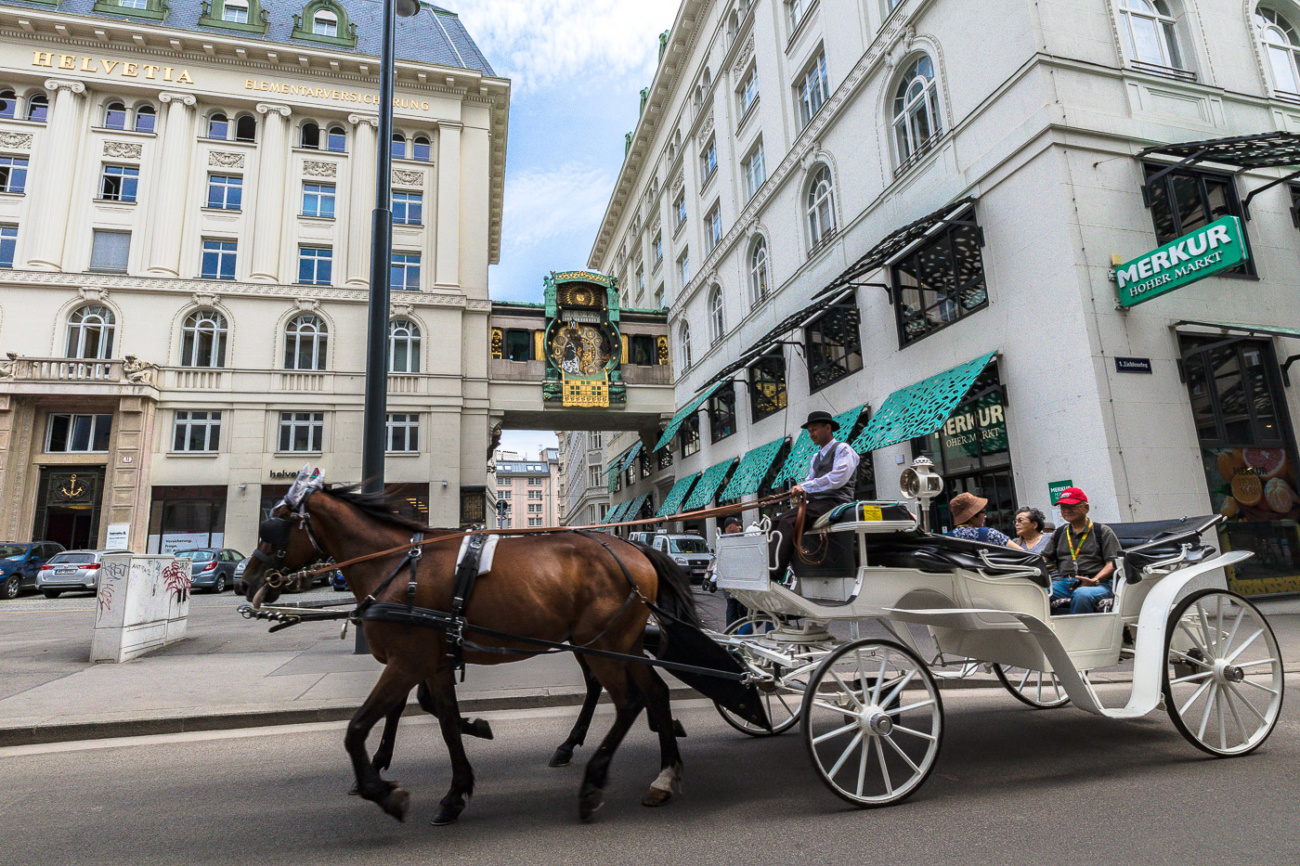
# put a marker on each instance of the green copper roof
(673, 501)
(708, 484)
(751, 471)
(795, 467)
(685, 412)
(920, 409)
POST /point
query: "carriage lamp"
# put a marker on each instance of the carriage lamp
(920, 481)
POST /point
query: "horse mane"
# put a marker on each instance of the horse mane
(380, 506)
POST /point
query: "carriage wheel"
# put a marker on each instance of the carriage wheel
(873, 722)
(1036, 688)
(781, 698)
(1223, 677)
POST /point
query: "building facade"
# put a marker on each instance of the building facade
(583, 458)
(909, 213)
(186, 195)
(530, 490)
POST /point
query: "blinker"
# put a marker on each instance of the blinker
(274, 531)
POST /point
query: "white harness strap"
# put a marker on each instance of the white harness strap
(485, 558)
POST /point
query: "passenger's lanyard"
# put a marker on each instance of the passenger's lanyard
(1069, 539)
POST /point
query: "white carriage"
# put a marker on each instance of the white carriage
(870, 707)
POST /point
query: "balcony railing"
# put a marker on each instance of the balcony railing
(107, 371)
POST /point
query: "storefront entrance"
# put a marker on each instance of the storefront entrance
(188, 516)
(68, 504)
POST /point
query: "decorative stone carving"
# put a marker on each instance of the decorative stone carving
(138, 372)
(706, 125)
(358, 119)
(408, 178)
(678, 183)
(226, 160)
(95, 294)
(123, 150)
(205, 299)
(269, 107)
(70, 86)
(16, 140)
(742, 58)
(7, 367)
(307, 305)
(182, 98)
(400, 311)
(312, 168)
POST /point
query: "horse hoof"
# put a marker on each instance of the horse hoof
(444, 817)
(656, 797)
(561, 758)
(354, 791)
(481, 729)
(395, 803)
(589, 803)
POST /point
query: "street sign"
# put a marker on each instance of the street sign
(1056, 488)
(1201, 253)
(1132, 365)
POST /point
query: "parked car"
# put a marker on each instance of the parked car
(211, 568)
(689, 551)
(338, 581)
(20, 563)
(646, 538)
(72, 570)
(240, 588)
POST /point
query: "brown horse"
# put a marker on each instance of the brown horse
(558, 587)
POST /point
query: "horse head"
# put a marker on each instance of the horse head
(285, 543)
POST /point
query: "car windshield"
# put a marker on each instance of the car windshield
(196, 555)
(13, 551)
(72, 557)
(688, 545)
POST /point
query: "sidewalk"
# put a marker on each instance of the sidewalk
(175, 690)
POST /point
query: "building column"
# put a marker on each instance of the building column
(271, 168)
(51, 187)
(361, 196)
(169, 196)
(447, 261)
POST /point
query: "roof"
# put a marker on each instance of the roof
(523, 467)
(434, 36)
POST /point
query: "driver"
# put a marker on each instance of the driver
(829, 483)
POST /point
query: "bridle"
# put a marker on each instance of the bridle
(275, 532)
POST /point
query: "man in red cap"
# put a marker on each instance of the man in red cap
(1083, 554)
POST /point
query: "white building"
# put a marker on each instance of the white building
(186, 193)
(841, 199)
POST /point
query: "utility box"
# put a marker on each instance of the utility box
(142, 604)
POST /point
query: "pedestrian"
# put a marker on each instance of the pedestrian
(1083, 554)
(968, 515)
(1031, 530)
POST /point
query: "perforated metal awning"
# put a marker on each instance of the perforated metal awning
(616, 513)
(708, 485)
(611, 476)
(795, 467)
(685, 412)
(629, 456)
(673, 501)
(920, 409)
(1263, 150)
(634, 507)
(752, 470)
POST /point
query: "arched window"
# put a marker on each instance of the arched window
(758, 275)
(115, 116)
(684, 338)
(310, 136)
(218, 126)
(146, 118)
(38, 108)
(337, 140)
(8, 103)
(717, 321)
(399, 146)
(325, 23)
(916, 110)
(1148, 28)
(246, 128)
(1281, 47)
(421, 148)
(235, 11)
(305, 340)
(403, 346)
(821, 208)
(203, 340)
(90, 332)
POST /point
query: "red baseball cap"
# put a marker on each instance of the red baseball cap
(1072, 496)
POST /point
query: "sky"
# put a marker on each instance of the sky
(576, 69)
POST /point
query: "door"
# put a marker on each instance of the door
(68, 505)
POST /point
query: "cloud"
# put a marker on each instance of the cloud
(541, 43)
(543, 205)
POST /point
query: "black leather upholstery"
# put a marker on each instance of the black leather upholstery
(941, 554)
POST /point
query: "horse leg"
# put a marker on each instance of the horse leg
(628, 701)
(469, 727)
(659, 709)
(391, 691)
(443, 695)
(383, 758)
(577, 736)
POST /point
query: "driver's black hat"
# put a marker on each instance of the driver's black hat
(818, 417)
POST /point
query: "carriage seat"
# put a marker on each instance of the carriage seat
(942, 553)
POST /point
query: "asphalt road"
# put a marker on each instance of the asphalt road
(1012, 785)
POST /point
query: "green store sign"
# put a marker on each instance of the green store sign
(1212, 248)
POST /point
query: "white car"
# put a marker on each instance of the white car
(689, 551)
(72, 571)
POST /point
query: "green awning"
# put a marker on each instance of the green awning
(673, 501)
(920, 409)
(634, 507)
(795, 467)
(611, 476)
(1228, 328)
(708, 484)
(629, 456)
(751, 471)
(685, 412)
(615, 513)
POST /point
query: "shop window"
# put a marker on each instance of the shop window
(78, 434)
(722, 412)
(940, 282)
(203, 339)
(767, 393)
(182, 518)
(197, 432)
(688, 437)
(519, 345)
(302, 432)
(403, 346)
(403, 433)
(1186, 199)
(90, 333)
(834, 346)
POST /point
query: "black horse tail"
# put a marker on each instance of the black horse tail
(675, 598)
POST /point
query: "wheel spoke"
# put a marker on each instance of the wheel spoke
(1256, 662)
(1205, 627)
(1239, 650)
(1236, 717)
(831, 707)
(1209, 711)
(1223, 728)
(835, 733)
(780, 696)
(845, 756)
(1191, 659)
(1187, 630)
(1218, 629)
(1191, 678)
(1241, 614)
(1262, 688)
(1023, 680)
(1039, 694)
(1196, 694)
(862, 770)
(852, 695)
(901, 753)
(897, 689)
(884, 768)
(920, 734)
(929, 702)
(1250, 706)
(880, 677)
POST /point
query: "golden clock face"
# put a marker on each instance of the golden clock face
(579, 350)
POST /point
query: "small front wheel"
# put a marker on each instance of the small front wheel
(781, 698)
(1036, 688)
(873, 722)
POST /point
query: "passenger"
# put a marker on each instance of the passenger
(968, 515)
(1030, 530)
(1083, 553)
(829, 483)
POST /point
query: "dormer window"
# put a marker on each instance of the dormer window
(324, 23)
(133, 4)
(235, 11)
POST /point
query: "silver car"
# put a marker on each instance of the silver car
(72, 570)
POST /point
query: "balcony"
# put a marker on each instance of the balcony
(76, 375)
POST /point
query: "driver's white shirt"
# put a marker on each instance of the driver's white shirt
(842, 470)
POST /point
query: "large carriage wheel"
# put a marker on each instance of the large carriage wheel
(1036, 688)
(1223, 677)
(873, 722)
(781, 698)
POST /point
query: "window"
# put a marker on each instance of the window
(767, 393)
(203, 339)
(503, 493)
(399, 146)
(595, 440)
(593, 476)
(519, 345)
(318, 201)
(246, 128)
(755, 170)
(235, 11)
(306, 339)
(38, 108)
(916, 112)
(90, 333)
(1281, 46)
(408, 208)
(641, 350)
(13, 174)
(640, 282)
(535, 508)
(405, 273)
(534, 521)
(225, 192)
(688, 438)
(820, 203)
(834, 346)
(403, 432)
(325, 23)
(684, 343)
(709, 160)
(119, 183)
(218, 126)
(941, 281)
(796, 10)
(218, 260)
(8, 104)
(115, 116)
(659, 297)
(302, 432)
(8, 245)
(133, 4)
(337, 140)
(421, 149)
(657, 251)
(1148, 29)
(722, 412)
(713, 228)
(717, 323)
(403, 346)
(684, 268)
(110, 251)
(534, 494)
(197, 432)
(759, 280)
(145, 118)
(309, 136)
(1187, 199)
(78, 434)
(812, 90)
(747, 94)
(315, 265)
(535, 482)
(679, 211)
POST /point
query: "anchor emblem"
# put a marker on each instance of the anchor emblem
(71, 489)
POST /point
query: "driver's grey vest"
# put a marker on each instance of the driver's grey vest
(822, 465)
